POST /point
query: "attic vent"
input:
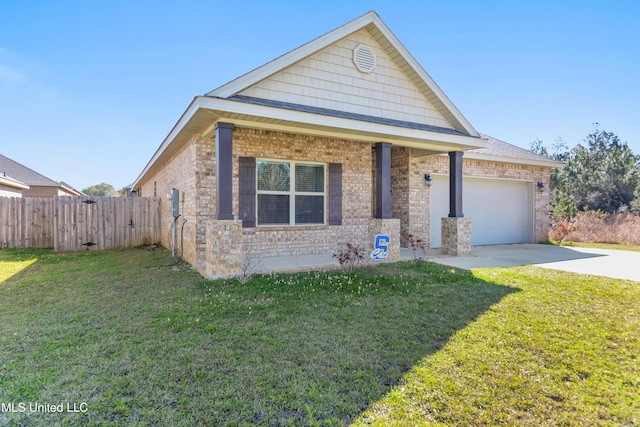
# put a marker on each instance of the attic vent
(364, 58)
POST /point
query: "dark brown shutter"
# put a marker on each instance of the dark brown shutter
(247, 191)
(335, 194)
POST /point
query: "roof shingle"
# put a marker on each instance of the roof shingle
(496, 147)
(343, 114)
(23, 174)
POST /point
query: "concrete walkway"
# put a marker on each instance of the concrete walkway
(599, 262)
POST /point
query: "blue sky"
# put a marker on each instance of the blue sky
(89, 89)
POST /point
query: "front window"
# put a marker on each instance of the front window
(290, 193)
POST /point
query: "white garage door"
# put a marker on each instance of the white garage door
(501, 211)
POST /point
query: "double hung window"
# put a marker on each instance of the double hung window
(290, 193)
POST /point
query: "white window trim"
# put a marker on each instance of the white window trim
(292, 193)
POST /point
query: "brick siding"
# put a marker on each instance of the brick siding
(178, 172)
(491, 169)
(192, 170)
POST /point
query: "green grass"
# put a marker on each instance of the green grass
(563, 351)
(145, 341)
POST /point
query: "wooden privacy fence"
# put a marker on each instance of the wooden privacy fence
(26, 222)
(77, 223)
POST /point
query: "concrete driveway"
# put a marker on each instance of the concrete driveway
(598, 262)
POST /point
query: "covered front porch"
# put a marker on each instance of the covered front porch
(400, 198)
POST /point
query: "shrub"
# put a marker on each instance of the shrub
(561, 228)
(251, 265)
(349, 256)
(417, 245)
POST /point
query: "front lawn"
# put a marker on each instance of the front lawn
(132, 338)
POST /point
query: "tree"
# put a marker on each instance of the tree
(562, 204)
(603, 175)
(102, 189)
(559, 149)
(635, 203)
(538, 147)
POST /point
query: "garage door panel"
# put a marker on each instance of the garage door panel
(501, 211)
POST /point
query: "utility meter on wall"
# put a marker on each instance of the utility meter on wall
(174, 196)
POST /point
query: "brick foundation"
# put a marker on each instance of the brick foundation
(389, 227)
(456, 236)
(224, 249)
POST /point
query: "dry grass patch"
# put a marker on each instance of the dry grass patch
(598, 227)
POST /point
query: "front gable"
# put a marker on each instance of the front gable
(322, 74)
(319, 89)
(331, 79)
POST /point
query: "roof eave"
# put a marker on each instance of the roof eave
(346, 126)
(241, 113)
(72, 190)
(516, 160)
(177, 128)
(13, 183)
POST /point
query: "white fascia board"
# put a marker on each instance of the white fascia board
(284, 61)
(184, 119)
(405, 136)
(517, 160)
(442, 96)
(422, 73)
(72, 190)
(9, 182)
(305, 118)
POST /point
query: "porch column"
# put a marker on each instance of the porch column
(455, 184)
(383, 180)
(224, 170)
(456, 229)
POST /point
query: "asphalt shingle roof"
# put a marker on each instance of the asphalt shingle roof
(496, 147)
(343, 114)
(23, 174)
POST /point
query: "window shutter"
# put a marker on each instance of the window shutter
(335, 193)
(247, 191)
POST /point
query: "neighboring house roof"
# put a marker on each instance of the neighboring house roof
(10, 182)
(29, 177)
(500, 151)
(69, 189)
(25, 174)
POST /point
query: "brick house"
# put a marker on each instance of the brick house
(341, 140)
(17, 180)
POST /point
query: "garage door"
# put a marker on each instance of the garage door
(501, 211)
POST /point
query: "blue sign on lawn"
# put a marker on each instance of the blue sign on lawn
(381, 247)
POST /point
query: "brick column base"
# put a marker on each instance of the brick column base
(224, 249)
(456, 236)
(388, 227)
